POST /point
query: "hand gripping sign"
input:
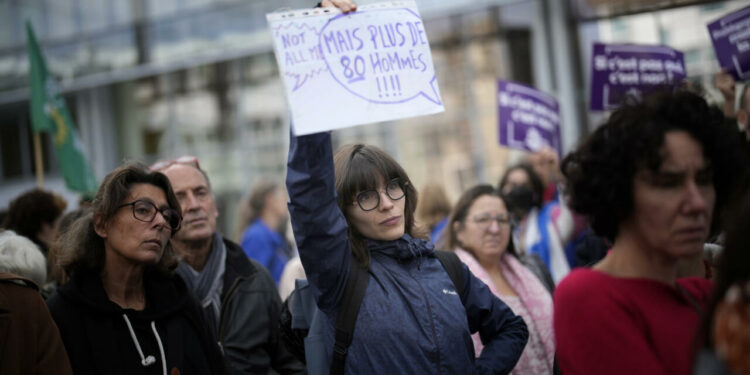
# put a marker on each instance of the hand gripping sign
(366, 66)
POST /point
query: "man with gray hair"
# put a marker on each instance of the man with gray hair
(238, 295)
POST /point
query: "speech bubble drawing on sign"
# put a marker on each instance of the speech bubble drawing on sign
(383, 60)
(299, 52)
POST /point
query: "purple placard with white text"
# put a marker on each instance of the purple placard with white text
(619, 70)
(366, 66)
(731, 38)
(528, 118)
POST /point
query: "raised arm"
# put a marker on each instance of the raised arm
(320, 228)
(503, 333)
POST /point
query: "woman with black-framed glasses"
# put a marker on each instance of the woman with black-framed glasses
(355, 210)
(479, 231)
(124, 310)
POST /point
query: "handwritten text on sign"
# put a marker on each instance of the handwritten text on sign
(731, 38)
(628, 69)
(367, 66)
(528, 119)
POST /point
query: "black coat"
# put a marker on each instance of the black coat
(249, 323)
(98, 341)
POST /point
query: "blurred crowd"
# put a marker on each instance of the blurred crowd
(627, 256)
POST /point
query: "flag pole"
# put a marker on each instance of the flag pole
(38, 162)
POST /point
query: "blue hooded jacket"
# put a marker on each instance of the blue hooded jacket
(411, 320)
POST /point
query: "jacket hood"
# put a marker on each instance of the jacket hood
(404, 248)
(165, 295)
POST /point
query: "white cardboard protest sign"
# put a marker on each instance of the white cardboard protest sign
(367, 66)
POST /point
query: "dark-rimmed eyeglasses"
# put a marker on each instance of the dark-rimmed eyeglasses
(369, 200)
(485, 220)
(146, 211)
(164, 164)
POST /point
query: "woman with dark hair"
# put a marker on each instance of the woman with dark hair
(479, 231)
(541, 229)
(123, 309)
(651, 180)
(358, 207)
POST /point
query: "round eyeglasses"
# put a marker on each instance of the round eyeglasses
(146, 211)
(369, 200)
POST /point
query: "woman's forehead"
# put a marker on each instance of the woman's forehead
(487, 203)
(147, 192)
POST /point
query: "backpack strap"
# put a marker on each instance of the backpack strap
(452, 266)
(354, 291)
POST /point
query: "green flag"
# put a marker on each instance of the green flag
(49, 113)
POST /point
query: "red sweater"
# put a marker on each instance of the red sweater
(610, 325)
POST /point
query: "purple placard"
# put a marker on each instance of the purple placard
(630, 69)
(731, 37)
(528, 118)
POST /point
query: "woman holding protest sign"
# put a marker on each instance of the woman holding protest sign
(353, 216)
(650, 180)
(356, 209)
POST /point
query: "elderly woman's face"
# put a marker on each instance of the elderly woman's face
(134, 240)
(486, 229)
(673, 206)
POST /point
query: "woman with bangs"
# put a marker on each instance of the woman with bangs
(356, 209)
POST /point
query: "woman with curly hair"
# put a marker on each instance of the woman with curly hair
(650, 180)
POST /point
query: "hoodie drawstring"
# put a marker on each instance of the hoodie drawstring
(148, 361)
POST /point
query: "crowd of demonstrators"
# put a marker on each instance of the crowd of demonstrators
(33, 215)
(433, 211)
(237, 294)
(124, 310)
(652, 179)
(142, 281)
(479, 232)
(262, 224)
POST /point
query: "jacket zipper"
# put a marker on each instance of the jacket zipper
(432, 323)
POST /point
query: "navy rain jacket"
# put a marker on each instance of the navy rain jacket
(412, 320)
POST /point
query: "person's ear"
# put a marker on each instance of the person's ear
(100, 227)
